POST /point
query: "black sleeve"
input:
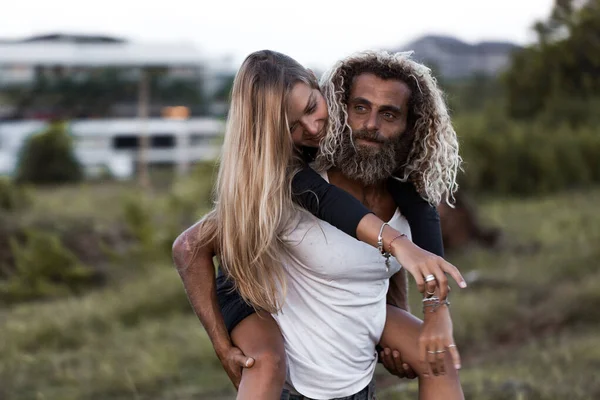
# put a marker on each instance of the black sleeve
(327, 202)
(423, 218)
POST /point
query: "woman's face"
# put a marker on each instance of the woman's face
(307, 115)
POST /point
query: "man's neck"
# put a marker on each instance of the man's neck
(375, 197)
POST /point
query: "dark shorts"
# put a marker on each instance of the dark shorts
(233, 307)
(368, 393)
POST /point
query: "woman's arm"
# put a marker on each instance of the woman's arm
(345, 212)
(327, 201)
(423, 218)
(197, 271)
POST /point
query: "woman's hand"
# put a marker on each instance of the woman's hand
(428, 269)
(436, 340)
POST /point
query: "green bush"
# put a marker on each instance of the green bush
(12, 197)
(506, 157)
(153, 225)
(43, 268)
(48, 158)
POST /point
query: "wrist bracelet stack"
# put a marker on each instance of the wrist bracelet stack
(384, 253)
(381, 247)
(431, 304)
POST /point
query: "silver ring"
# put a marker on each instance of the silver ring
(451, 345)
(429, 293)
(430, 278)
(440, 351)
(431, 352)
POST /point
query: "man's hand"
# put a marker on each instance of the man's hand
(233, 360)
(392, 361)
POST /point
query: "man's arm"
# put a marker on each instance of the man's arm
(397, 294)
(197, 271)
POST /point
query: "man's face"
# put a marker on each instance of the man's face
(377, 110)
(377, 115)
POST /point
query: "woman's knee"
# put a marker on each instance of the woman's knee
(270, 364)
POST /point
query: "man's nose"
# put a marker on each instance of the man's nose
(372, 122)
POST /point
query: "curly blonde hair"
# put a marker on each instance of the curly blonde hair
(433, 160)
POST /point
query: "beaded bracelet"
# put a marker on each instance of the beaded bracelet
(397, 237)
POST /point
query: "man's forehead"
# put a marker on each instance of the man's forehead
(370, 84)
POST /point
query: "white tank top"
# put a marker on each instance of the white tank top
(335, 308)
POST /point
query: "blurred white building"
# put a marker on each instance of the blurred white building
(111, 146)
(20, 60)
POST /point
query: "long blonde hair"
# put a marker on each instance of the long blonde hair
(253, 189)
(433, 160)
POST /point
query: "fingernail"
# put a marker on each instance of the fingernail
(463, 284)
(396, 354)
(457, 366)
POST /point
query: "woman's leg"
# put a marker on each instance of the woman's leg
(258, 336)
(402, 332)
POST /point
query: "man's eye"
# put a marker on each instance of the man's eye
(359, 108)
(389, 115)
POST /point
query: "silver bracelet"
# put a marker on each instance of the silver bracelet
(435, 305)
(430, 299)
(384, 253)
(380, 239)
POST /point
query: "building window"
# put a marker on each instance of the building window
(125, 142)
(132, 142)
(162, 141)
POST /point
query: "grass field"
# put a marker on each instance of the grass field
(526, 326)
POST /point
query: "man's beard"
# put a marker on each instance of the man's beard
(371, 164)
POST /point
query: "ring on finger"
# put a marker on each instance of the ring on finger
(451, 345)
(428, 293)
(440, 351)
(430, 278)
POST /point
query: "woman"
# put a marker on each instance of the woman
(254, 204)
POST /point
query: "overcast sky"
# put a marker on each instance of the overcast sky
(315, 32)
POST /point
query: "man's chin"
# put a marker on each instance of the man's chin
(367, 143)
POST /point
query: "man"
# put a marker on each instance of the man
(397, 124)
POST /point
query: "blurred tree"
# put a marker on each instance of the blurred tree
(48, 158)
(563, 66)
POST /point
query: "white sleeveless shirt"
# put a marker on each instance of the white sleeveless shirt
(335, 307)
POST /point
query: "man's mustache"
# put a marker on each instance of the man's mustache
(371, 136)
